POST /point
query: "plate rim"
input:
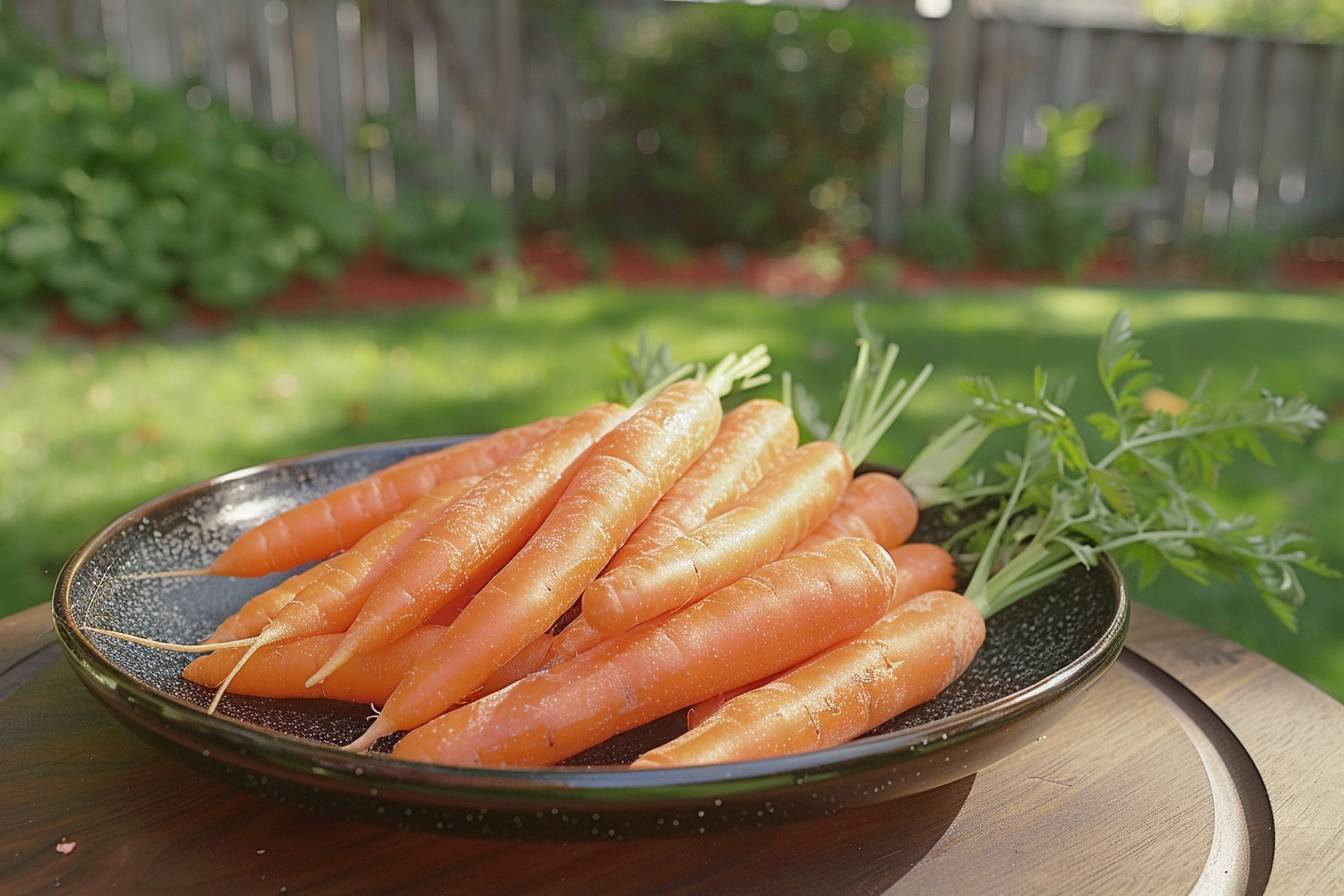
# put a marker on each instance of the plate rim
(95, 669)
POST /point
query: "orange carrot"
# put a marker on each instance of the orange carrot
(383, 544)
(336, 521)
(280, 670)
(494, 517)
(578, 636)
(920, 568)
(774, 618)
(908, 657)
(767, 521)
(618, 484)
(474, 539)
(763, 525)
(752, 440)
(875, 506)
(253, 616)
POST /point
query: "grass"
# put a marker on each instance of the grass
(88, 432)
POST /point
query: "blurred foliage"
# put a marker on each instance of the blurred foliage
(1316, 20)
(444, 234)
(1240, 254)
(1040, 216)
(745, 124)
(430, 228)
(940, 239)
(121, 198)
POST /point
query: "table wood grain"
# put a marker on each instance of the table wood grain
(1194, 765)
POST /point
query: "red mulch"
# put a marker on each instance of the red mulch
(374, 281)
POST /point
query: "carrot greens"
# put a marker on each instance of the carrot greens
(1142, 498)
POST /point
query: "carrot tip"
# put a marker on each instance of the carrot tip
(169, 645)
(334, 662)
(257, 643)
(366, 740)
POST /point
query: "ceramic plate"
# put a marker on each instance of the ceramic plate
(1038, 655)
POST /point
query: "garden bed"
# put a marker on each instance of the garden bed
(373, 281)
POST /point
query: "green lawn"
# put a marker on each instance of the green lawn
(88, 432)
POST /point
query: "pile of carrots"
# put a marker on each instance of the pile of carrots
(716, 564)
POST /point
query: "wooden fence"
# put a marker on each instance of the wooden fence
(1231, 130)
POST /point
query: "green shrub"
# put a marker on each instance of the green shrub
(1038, 216)
(120, 198)
(444, 234)
(1240, 254)
(939, 239)
(880, 271)
(751, 125)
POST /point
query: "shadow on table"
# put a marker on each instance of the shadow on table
(864, 850)
(141, 819)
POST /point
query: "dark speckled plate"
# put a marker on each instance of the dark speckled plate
(1038, 655)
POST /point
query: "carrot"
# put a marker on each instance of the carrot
(920, 568)
(578, 636)
(493, 518)
(908, 657)
(392, 536)
(252, 617)
(752, 440)
(626, 474)
(772, 517)
(280, 670)
(474, 539)
(336, 521)
(874, 506)
(768, 621)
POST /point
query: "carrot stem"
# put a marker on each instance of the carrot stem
(168, 645)
(257, 644)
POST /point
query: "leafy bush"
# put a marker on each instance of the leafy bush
(1036, 217)
(880, 271)
(444, 234)
(1239, 254)
(120, 198)
(939, 239)
(752, 125)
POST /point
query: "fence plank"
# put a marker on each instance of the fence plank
(350, 62)
(327, 66)
(303, 55)
(1325, 186)
(1071, 71)
(1139, 123)
(86, 22)
(1236, 107)
(1282, 85)
(377, 101)
(508, 75)
(953, 44)
(992, 100)
(259, 76)
(215, 42)
(1118, 98)
(1177, 124)
(147, 42)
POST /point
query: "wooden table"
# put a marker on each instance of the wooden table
(1194, 764)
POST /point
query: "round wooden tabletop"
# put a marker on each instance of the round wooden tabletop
(1194, 765)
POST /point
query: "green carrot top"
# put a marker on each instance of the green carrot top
(1055, 506)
